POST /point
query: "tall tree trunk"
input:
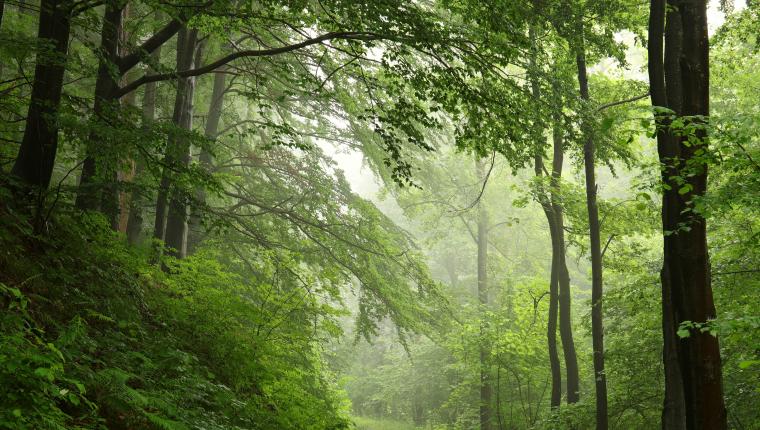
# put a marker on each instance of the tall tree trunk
(679, 81)
(486, 414)
(597, 327)
(546, 205)
(135, 222)
(36, 157)
(551, 328)
(97, 171)
(561, 272)
(126, 176)
(211, 131)
(178, 151)
(98, 183)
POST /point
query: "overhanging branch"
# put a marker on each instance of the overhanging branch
(241, 54)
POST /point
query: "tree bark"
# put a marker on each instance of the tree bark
(486, 414)
(97, 180)
(546, 205)
(563, 275)
(551, 328)
(211, 131)
(679, 81)
(98, 183)
(36, 157)
(135, 222)
(128, 175)
(178, 154)
(595, 247)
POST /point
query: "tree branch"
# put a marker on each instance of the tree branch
(159, 38)
(607, 244)
(620, 102)
(241, 54)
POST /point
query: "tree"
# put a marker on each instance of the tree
(98, 188)
(595, 246)
(171, 204)
(486, 391)
(679, 79)
(34, 163)
(552, 211)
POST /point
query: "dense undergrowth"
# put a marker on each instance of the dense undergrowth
(95, 336)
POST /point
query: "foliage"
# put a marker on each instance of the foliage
(95, 336)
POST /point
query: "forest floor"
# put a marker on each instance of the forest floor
(367, 423)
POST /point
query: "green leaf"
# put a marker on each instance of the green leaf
(607, 123)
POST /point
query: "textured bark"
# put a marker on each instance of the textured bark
(178, 151)
(486, 414)
(679, 81)
(195, 229)
(36, 157)
(595, 247)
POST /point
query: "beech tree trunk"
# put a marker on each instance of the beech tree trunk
(551, 328)
(92, 194)
(36, 157)
(171, 198)
(679, 80)
(211, 131)
(130, 100)
(563, 279)
(597, 324)
(135, 222)
(546, 205)
(98, 183)
(486, 414)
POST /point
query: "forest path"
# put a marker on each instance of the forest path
(368, 423)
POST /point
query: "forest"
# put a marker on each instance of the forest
(379, 214)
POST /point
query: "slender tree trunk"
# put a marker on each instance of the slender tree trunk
(195, 230)
(486, 414)
(127, 176)
(551, 331)
(178, 150)
(551, 328)
(560, 272)
(597, 327)
(563, 276)
(36, 157)
(679, 81)
(546, 205)
(135, 222)
(498, 398)
(97, 170)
